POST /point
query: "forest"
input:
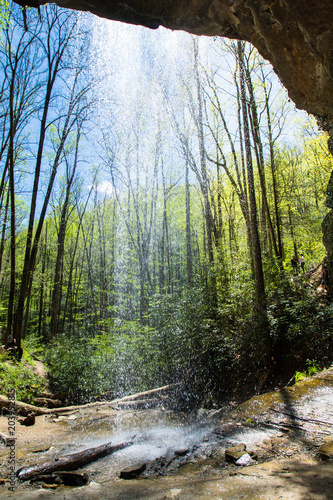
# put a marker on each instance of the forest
(151, 201)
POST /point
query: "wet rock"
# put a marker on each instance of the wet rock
(245, 460)
(156, 467)
(133, 472)
(203, 413)
(226, 429)
(235, 452)
(180, 452)
(73, 478)
(167, 463)
(326, 451)
(27, 421)
(62, 477)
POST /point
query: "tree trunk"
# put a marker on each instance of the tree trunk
(291, 227)
(10, 312)
(4, 227)
(257, 258)
(272, 162)
(189, 259)
(260, 162)
(41, 312)
(204, 179)
(56, 295)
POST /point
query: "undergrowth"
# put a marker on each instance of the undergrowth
(18, 376)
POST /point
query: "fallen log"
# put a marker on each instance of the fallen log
(145, 393)
(48, 402)
(25, 408)
(22, 408)
(71, 462)
(138, 403)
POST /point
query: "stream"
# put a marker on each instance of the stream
(183, 456)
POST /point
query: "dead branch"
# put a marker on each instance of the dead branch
(25, 408)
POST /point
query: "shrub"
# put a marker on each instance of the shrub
(18, 376)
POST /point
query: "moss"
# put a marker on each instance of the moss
(263, 403)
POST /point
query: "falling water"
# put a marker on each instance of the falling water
(132, 69)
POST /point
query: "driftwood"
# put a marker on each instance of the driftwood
(25, 408)
(71, 462)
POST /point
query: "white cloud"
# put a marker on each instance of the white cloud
(106, 188)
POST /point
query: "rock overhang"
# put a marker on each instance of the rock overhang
(296, 36)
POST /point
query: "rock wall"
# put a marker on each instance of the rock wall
(296, 36)
(327, 224)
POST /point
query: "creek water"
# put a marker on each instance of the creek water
(154, 433)
(196, 437)
(284, 429)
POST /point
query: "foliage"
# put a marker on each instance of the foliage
(18, 376)
(32, 348)
(4, 9)
(301, 329)
(71, 368)
(311, 369)
(143, 269)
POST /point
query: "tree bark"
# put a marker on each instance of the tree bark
(56, 294)
(204, 182)
(260, 162)
(189, 253)
(71, 462)
(257, 258)
(273, 172)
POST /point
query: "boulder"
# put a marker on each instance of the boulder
(326, 451)
(28, 421)
(245, 460)
(132, 472)
(235, 452)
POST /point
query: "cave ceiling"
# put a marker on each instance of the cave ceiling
(296, 36)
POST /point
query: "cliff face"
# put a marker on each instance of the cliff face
(296, 36)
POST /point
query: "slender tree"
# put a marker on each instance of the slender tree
(66, 210)
(61, 30)
(261, 303)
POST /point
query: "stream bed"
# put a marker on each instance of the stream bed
(183, 456)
